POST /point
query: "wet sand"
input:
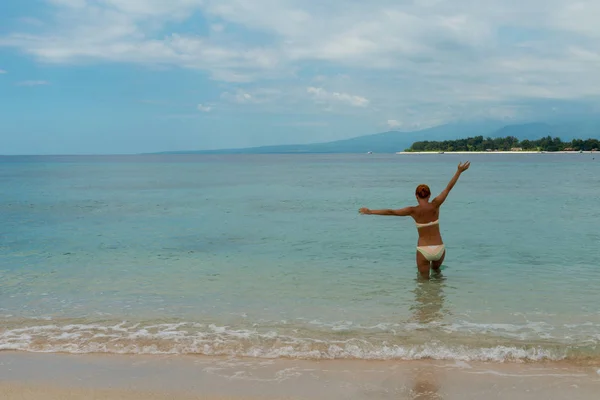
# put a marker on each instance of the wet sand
(29, 376)
(36, 392)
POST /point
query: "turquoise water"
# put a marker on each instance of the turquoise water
(267, 256)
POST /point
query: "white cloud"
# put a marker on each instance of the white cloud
(239, 97)
(321, 95)
(217, 27)
(129, 31)
(32, 83)
(253, 96)
(443, 58)
(3, 71)
(204, 108)
(392, 123)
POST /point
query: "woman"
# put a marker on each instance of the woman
(430, 248)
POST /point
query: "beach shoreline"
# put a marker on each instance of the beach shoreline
(35, 376)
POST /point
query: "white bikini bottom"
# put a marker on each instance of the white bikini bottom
(432, 253)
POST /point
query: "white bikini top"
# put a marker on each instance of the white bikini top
(427, 224)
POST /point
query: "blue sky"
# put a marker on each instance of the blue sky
(129, 76)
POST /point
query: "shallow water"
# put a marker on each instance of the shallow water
(267, 256)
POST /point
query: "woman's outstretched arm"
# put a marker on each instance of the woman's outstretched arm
(440, 198)
(402, 212)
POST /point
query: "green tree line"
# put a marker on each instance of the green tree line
(479, 143)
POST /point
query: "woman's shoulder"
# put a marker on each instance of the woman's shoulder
(428, 210)
(426, 207)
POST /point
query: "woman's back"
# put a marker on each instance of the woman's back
(425, 213)
(426, 216)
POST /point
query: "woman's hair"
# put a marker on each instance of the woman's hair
(423, 191)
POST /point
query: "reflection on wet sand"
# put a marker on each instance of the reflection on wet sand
(426, 386)
(429, 300)
(428, 308)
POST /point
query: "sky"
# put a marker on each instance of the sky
(134, 76)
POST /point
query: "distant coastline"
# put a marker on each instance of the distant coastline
(497, 152)
(503, 145)
(439, 139)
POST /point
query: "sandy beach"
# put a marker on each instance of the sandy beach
(29, 376)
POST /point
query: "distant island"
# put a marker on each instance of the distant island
(508, 143)
(440, 138)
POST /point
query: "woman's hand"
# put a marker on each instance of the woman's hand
(364, 210)
(464, 166)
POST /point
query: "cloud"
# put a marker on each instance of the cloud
(253, 96)
(3, 71)
(321, 95)
(445, 59)
(217, 27)
(392, 123)
(32, 83)
(130, 31)
(239, 97)
(204, 108)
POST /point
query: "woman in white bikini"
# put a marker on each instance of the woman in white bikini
(430, 248)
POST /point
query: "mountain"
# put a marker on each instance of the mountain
(530, 131)
(566, 130)
(386, 142)
(394, 141)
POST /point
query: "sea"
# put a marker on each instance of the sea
(266, 256)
